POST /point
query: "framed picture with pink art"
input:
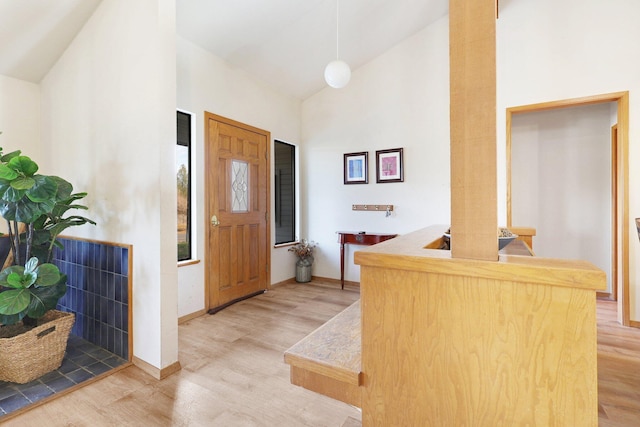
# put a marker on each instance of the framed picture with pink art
(389, 166)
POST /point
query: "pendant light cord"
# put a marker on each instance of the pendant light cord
(337, 29)
(337, 73)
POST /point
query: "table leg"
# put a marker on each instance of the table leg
(342, 264)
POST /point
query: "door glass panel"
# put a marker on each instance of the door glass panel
(239, 186)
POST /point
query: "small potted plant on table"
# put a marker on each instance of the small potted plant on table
(304, 251)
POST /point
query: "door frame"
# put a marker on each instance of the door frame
(615, 266)
(207, 217)
(621, 198)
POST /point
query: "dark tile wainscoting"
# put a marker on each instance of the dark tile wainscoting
(98, 292)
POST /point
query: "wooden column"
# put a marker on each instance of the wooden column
(472, 51)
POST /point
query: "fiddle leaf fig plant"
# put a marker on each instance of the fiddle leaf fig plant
(49, 225)
(30, 289)
(33, 206)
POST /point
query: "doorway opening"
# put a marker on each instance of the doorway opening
(619, 191)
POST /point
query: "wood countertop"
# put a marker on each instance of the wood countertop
(417, 251)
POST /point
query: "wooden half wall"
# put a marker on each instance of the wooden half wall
(455, 342)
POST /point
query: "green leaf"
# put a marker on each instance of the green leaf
(78, 196)
(45, 299)
(5, 158)
(46, 206)
(27, 211)
(14, 301)
(25, 280)
(7, 210)
(64, 188)
(4, 274)
(48, 274)
(65, 223)
(23, 183)
(44, 189)
(7, 173)
(61, 208)
(4, 185)
(41, 250)
(41, 236)
(14, 280)
(31, 265)
(13, 194)
(24, 165)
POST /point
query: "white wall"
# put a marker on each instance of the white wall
(108, 102)
(561, 182)
(550, 50)
(545, 52)
(108, 125)
(207, 83)
(400, 99)
(20, 117)
(20, 120)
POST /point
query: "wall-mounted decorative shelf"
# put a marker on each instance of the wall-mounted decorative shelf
(374, 208)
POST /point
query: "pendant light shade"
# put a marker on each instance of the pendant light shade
(337, 73)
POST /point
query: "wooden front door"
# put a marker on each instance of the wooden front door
(237, 192)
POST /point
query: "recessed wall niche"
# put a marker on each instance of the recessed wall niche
(99, 289)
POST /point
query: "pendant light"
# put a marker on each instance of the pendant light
(337, 73)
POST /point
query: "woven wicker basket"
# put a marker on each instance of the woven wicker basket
(28, 356)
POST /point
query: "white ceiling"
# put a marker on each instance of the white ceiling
(34, 33)
(286, 43)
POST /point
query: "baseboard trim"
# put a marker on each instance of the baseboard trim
(336, 281)
(634, 324)
(605, 296)
(157, 373)
(191, 316)
(285, 282)
(325, 280)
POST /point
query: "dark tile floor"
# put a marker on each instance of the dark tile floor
(82, 361)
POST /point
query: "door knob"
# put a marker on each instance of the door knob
(214, 221)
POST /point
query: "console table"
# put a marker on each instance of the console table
(358, 238)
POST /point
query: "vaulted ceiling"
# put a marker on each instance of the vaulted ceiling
(285, 43)
(34, 33)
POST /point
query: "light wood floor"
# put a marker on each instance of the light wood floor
(618, 370)
(233, 372)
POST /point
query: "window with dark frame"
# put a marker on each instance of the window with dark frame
(183, 180)
(285, 192)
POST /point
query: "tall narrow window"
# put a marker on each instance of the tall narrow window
(285, 192)
(183, 179)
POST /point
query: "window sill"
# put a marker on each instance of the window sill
(284, 245)
(188, 262)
